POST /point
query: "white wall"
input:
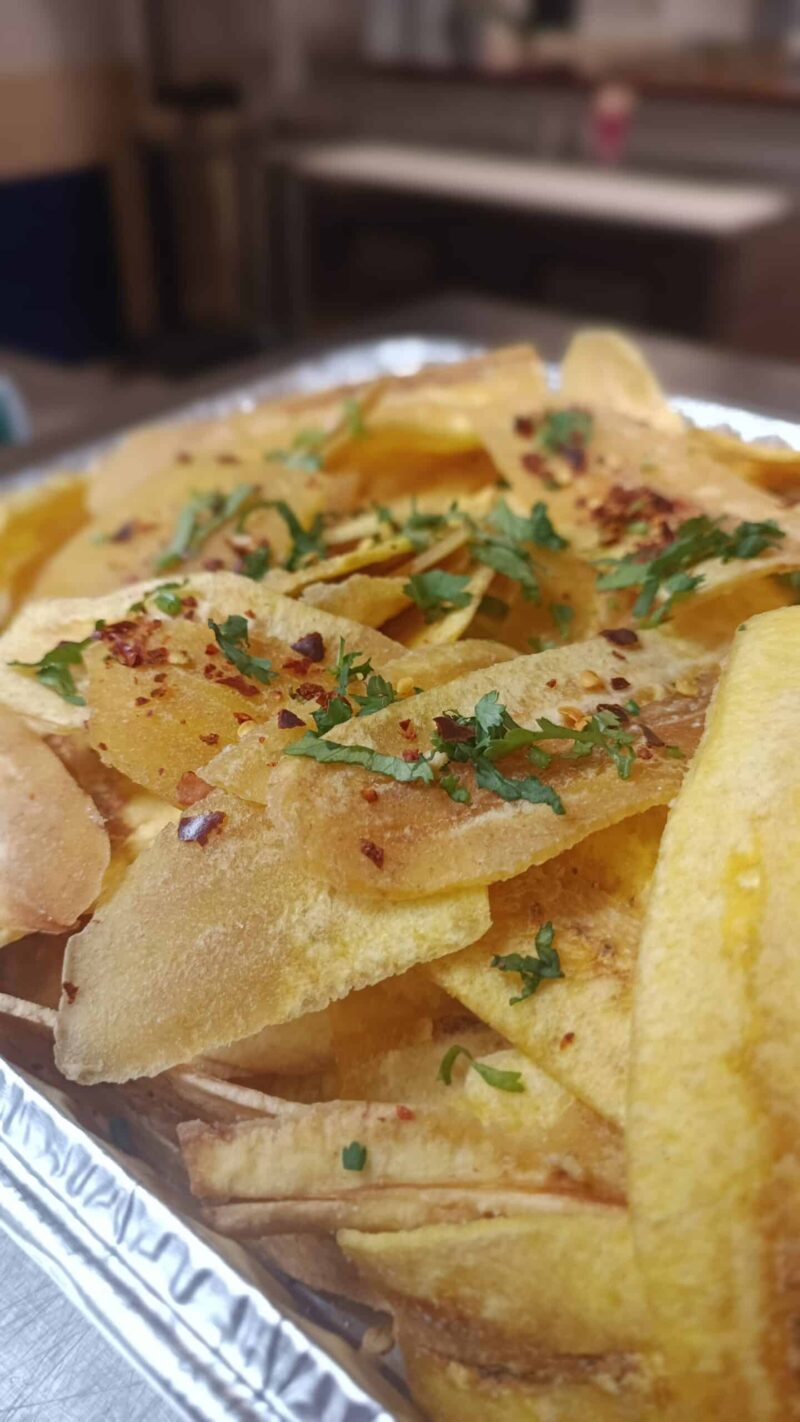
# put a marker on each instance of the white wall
(662, 22)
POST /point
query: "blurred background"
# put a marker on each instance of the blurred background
(187, 182)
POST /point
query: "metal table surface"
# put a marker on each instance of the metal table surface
(52, 1363)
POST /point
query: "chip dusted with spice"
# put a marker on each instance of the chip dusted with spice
(207, 943)
(566, 1002)
(501, 769)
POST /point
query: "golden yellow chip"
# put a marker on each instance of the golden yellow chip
(216, 932)
(603, 368)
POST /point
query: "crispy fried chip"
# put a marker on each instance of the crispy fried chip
(54, 849)
(371, 600)
(603, 368)
(208, 942)
(515, 1290)
(576, 1027)
(611, 1388)
(491, 838)
(34, 523)
(714, 1125)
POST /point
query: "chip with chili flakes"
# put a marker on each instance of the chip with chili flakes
(150, 949)
(195, 829)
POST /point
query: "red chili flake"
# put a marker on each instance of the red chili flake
(189, 600)
(404, 1113)
(408, 730)
(211, 649)
(370, 795)
(158, 692)
(619, 683)
(620, 656)
(125, 532)
(623, 506)
(310, 646)
(141, 700)
(238, 683)
(211, 739)
(535, 464)
(524, 426)
(373, 852)
(227, 458)
(310, 691)
(644, 754)
(70, 991)
(298, 665)
(567, 1040)
(101, 745)
(287, 721)
(241, 717)
(616, 710)
(552, 682)
(195, 829)
(213, 565)
(451, 730)
(621, 636)
(183, 457)
(411, 755)
(191, 788)
(160, 676)
(651, 737)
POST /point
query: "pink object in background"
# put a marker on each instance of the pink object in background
(610, 120)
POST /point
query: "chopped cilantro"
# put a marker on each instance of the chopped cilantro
(564, 430)
(53, 669)
(438, 592)
(328, 752)
(501, 544)
(354, 1156)
(353, 417)
(632, 707)
(528, 787)
(347, 668)
(500, 1080)
(165, 598)
(303, 453)
(455, 789)
(255, 563)
(532, 970)
(562, 614)
(380, 693)
(204, 514)
(307, 543)
(232, 638)
(337, 711)
(665, 579)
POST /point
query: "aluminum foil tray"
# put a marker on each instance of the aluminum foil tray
(202, 1318)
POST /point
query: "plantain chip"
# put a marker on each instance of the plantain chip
(54, 849)
(206, 943)
(605, 369)
(429, 841)
(577, 1028)
(713, 1118)
(34, 523)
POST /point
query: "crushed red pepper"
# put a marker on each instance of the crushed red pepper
(621, 636)
(70, 991)
(191, 788)
(373, 852)
(310, 646)
(287, 721)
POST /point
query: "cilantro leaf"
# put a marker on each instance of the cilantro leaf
(354, 1156)
(513, 562)
(232, 637)
(345, 669)
(602, 732)
(307, 543)
(528, 787)
(53, 669)
(303, 453)
(256, 563)
(534, 527)
(165, 598)
(494, 607)
(562, 614)
(337, 711)
(393, 766)
(665, 579)
(204, 514)
(532, 970)
(437, 592)
(455, 789)
(380, 693)
(500, 1080)
(562, 431)
(353, 417)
